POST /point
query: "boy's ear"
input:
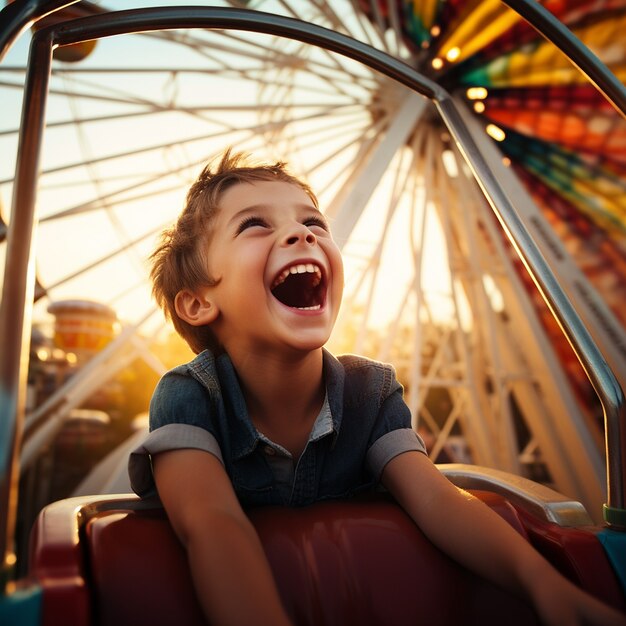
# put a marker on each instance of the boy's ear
(195, 308)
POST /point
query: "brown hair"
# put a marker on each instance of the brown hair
(179, 261)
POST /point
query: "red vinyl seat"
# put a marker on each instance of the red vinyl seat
(117, 562)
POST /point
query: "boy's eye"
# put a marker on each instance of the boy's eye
(316, 221)
(248, 222)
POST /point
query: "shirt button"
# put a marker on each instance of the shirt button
(269, 451)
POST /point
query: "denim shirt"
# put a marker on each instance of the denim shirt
(200, 405)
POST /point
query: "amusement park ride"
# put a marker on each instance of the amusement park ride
(533, 217)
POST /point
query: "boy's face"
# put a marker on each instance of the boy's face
(280, 272)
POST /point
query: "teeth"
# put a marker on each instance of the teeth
(317, 307)
(299, 268)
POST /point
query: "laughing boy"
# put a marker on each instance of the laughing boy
(252, 280)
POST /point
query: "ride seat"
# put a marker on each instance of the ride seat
(116, 561)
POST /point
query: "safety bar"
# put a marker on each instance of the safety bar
(19, 15)
(16, 307)
(562, 37)
(543, 502)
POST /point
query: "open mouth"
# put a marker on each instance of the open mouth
(300, 286)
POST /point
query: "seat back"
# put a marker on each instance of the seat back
(335, 563)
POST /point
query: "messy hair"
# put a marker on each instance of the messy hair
(180, 261)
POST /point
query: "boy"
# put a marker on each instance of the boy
(252, 279)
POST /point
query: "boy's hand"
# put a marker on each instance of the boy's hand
(472, 534)
(558, 602)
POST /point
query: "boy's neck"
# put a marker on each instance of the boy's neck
(279, 388)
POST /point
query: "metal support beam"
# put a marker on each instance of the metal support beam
(398, 133)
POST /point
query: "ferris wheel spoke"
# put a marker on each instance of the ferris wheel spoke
(252, 131)
(90, 266)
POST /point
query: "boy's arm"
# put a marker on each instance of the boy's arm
(471, 533)
(231, 575)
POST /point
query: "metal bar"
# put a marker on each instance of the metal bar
(596, 368)
(531, 496)
(574, 460)
(165, 18)
(18, 292)
(106, 257)
(395, 136)
(586, 61)
(17, 16)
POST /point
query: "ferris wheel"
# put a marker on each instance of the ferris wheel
(433, 285)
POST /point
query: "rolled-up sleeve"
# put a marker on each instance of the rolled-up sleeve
(392, 435)
(168, 437)
(180, 418)
(389, 446)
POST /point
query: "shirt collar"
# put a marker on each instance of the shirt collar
(244, 436)
(334, 377)
(323, 422)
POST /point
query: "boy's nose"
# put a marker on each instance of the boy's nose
(299, 234)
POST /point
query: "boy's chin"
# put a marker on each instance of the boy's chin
(305, 331)
(307, 342)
